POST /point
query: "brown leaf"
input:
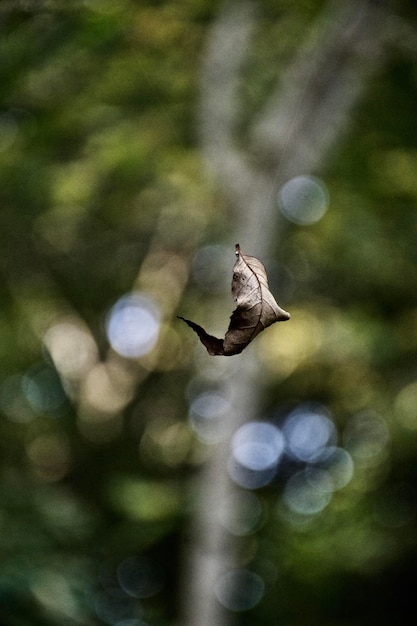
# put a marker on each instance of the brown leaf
(256, 308)
(214, 346)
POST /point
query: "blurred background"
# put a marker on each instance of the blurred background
(142, 481)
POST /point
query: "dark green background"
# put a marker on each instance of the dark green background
(101, 177)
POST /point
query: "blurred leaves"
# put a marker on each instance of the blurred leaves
(102, 194)
(146, 501)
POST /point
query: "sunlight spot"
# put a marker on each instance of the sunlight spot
(133, 325)
(339, 464)
(304, 200)
(258, 445)
(308, 430)
(257, 448)
(240, 590)
(308, 492)
(108, 388)
(250, 479)
(282, 352)
(72, 348)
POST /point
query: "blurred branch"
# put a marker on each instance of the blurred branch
(310, 108)
(226, 52)
(305, 116)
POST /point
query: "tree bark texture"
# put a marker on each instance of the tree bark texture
(306, 115)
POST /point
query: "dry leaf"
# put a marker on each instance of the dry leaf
(256, 308)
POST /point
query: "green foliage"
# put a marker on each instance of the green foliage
(102, 191)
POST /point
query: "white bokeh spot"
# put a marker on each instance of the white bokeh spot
(303, 199)
(133, 325)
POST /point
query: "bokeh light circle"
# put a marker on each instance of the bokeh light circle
(307, 432)
(339, 464)
(303, 199)
(72, 348)
(309, 491)
(133, 325)
(258, 445)
(240, 590)
(247, 478)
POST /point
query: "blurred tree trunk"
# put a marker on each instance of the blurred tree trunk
(303, 119)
